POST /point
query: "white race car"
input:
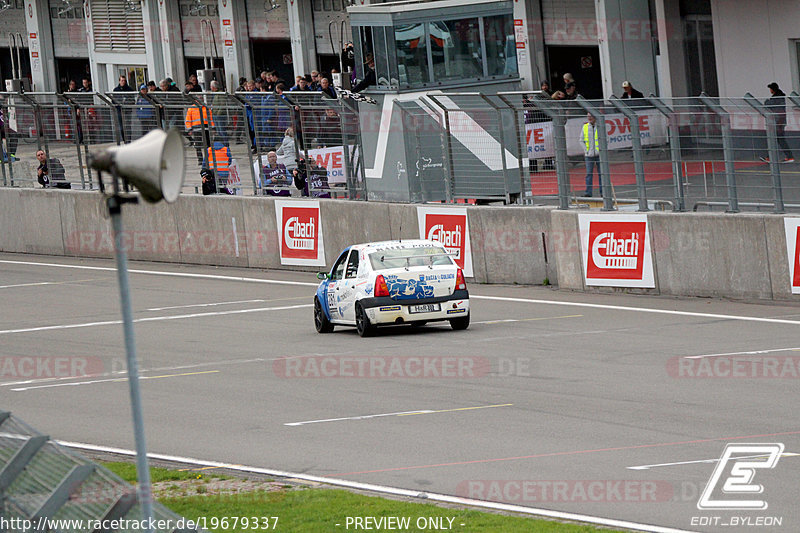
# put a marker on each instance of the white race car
(393, 282)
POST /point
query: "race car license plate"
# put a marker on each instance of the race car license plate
(425, 308)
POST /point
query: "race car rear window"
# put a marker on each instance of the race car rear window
(403, 257)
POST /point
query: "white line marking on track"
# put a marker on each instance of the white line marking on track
(113, 380)
(752, 352)
(648, 467)
(154, 319)
(383, 489)
(44, 283)
(472, 296)
(204, 305)
(403, 413)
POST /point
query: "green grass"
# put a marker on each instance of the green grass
(127, 471)
(303, 509)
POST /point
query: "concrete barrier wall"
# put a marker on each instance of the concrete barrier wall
(694, 254)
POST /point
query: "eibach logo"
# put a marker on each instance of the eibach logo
(616, 250)
(448, 230)
(300, 227)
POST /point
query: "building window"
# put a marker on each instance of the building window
(501, 46)
(411, 45)
(455, 49)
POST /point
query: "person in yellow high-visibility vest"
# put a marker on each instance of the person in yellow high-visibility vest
(591, 153)
(196, 126)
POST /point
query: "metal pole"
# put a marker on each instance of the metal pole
(114, 204)
(636, 140)
(674, 149)
(727, 150)
(772, 146)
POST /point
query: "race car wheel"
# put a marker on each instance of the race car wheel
(459, 323)
(365, 329)
(321, 322)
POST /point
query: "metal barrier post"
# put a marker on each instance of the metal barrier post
(772, 147)
(448, 154)
(74, 109)
(727, 150)
(674, 149)
(602, 140)
(636, 140)
(560, 147)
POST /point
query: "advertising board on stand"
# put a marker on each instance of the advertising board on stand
(615, 250)
(300, 232)
(448, 225)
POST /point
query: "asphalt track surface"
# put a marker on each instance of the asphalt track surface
(548, 401)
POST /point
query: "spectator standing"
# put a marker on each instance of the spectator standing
(276, 178)
(145, 112)
(86, 86)
(570, 91)
(172, 115)
(209, 182)
(326, 88)
(241, 87)
(72, 87)
(123, 110)
(591, 153)
(777, 105)
(312, 180)
(287, 151)
(545, 88)
(195, 84)
(315, 79)
(219, 161)
(630, 91)
(197, 125)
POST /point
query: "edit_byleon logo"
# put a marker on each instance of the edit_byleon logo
(732, 486)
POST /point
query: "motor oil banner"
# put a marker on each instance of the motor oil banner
(332, 159)
(615, 250)
(449, 226)
(652, 131)
(300, 232)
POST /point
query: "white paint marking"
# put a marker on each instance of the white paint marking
(753, 352)
(472, 296)
(383, 489)
(164, 273)
(235, 237)
(648, 467)
(154, 319)
(205, 305)
(113, 380)
(638, 309)
(44, 283)
(362, 417)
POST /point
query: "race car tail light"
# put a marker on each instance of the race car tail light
(381, 289)
(460, 283)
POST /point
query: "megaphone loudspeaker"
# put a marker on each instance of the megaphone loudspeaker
(153, 164)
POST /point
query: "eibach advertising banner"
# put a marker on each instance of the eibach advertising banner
(448, 226)
(615, 250)
(300, 232)
(792, 227)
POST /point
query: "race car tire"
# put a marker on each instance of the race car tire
(459, 323)
(321, 322)
(363, 326)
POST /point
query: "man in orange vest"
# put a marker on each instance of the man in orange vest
(219, 160)
(197, 128)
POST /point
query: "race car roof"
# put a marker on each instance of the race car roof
(388, 245)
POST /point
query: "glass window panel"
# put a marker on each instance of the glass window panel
(326, 5)
(501, 51)
(381, 56)
(455, 49)
(411, 44)
(212, 10)
(317, 5)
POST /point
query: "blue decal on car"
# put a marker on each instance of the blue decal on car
(402, 289)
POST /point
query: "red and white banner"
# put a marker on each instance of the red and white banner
(448, 225)
(615, 250)
(792, 226)
(332, 159)
(300, 232)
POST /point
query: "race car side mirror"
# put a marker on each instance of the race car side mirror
(322, 275)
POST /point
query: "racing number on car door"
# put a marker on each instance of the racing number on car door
(348, 294)
(336, 286)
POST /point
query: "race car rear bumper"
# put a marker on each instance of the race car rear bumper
(385, 310)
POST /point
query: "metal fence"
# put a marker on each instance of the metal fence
(316, 141)
(513, 147)
(42, 482)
